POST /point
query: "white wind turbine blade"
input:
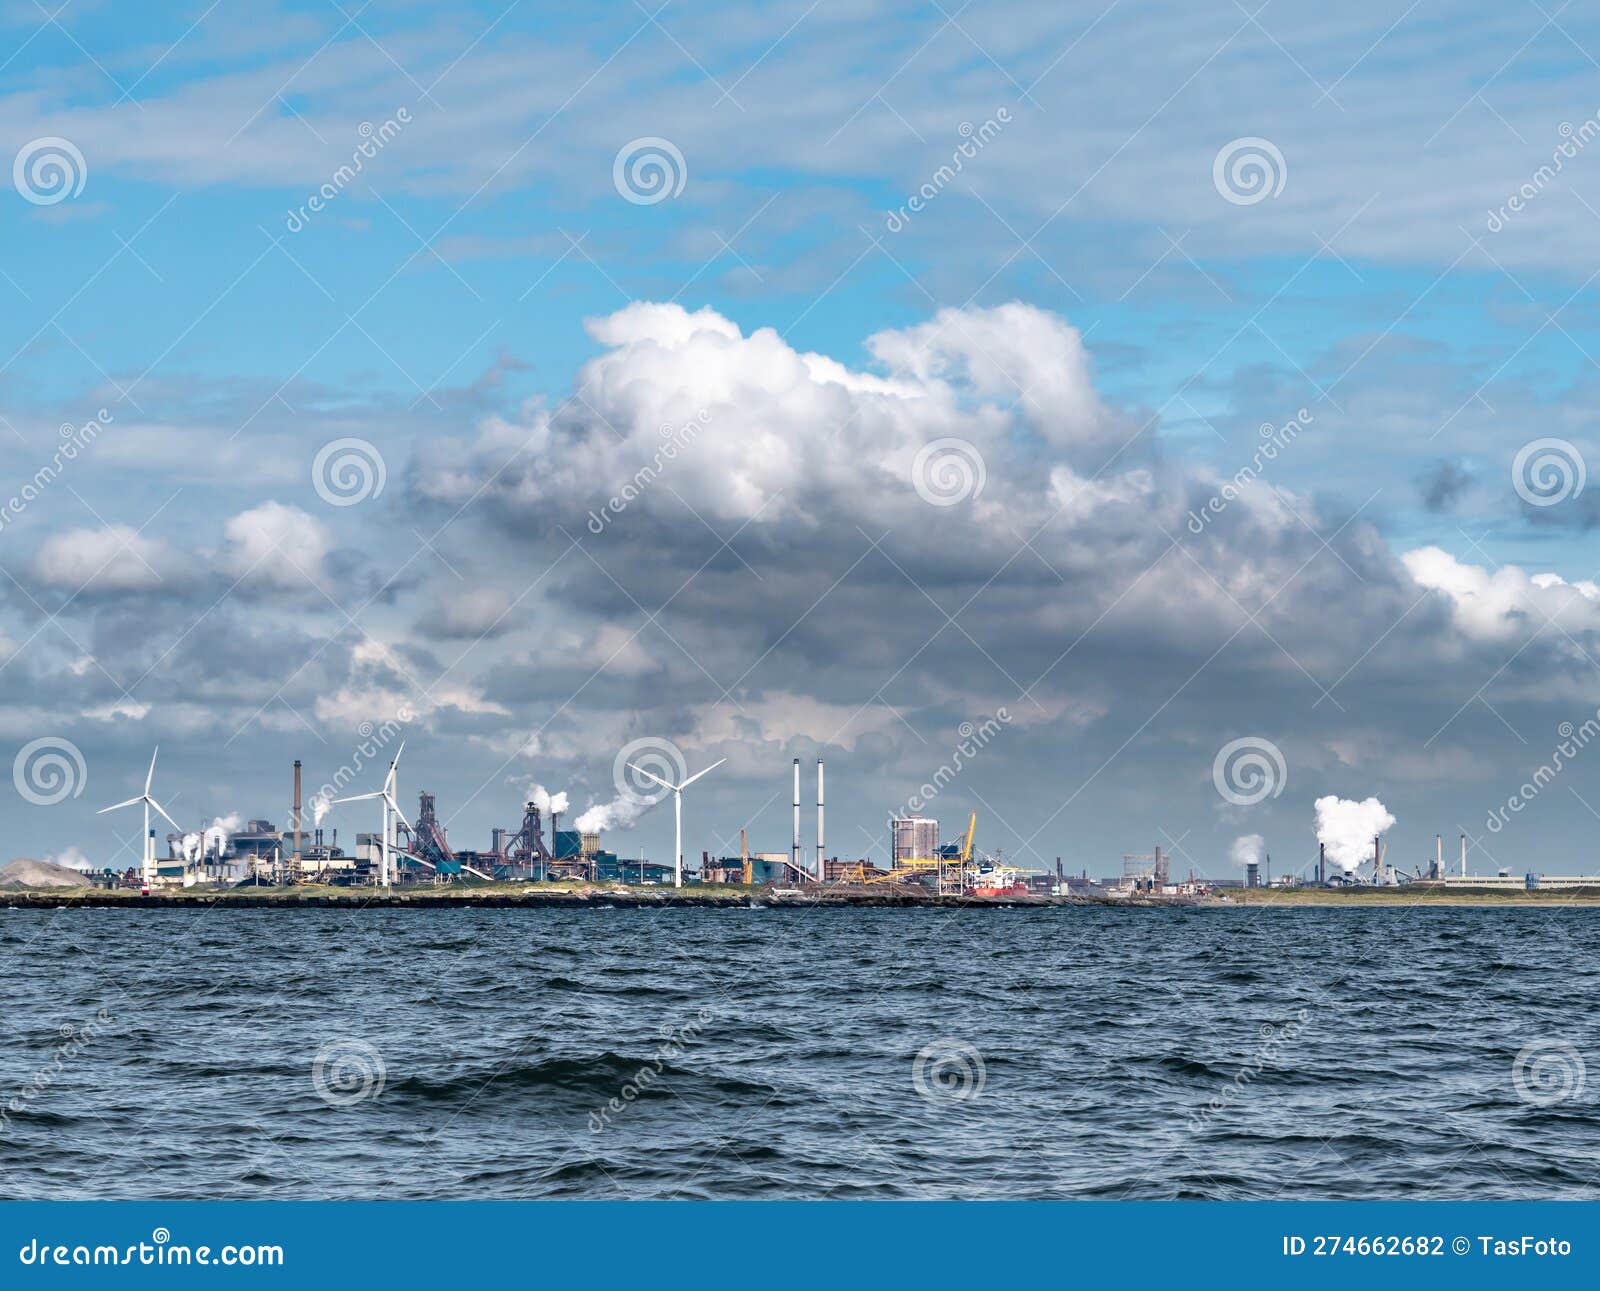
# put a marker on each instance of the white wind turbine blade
(117, 806)
(150, 775)
(698, 774)
(651, 776)
(388, 782)
(163, 811)
(395, 807)
(358, 797)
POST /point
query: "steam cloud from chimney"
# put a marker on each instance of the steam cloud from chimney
(1346, 828)
(1247, 850)
(618, 814)
(546, 801)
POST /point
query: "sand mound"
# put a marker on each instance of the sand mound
(26, 873)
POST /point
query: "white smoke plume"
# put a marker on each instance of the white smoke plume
(1247, 850)
(618, 814)
(1346, 829)
(216, 833)
(72, 858)
(548, 802)
(190, 847)
(321, 804)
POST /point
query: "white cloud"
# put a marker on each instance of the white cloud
(1507, 603)
(116, 558)
(276, 544)
(382, 687)
(1010, 352)
(619, 650)
(782, 716)
(683, 408)
(127, 709)
(470, 612)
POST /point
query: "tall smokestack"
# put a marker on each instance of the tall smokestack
(1463, 855)
(794, 847)
(819, 821)
(1377, 858)
(297, 809)
(1438, 855)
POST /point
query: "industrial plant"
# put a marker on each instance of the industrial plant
(405, 851)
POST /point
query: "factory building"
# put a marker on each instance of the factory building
(571, 845)
(913, 838)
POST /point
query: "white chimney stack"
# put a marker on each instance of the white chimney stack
(794, 847)
(819, 821)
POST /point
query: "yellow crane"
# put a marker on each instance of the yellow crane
(907, 866)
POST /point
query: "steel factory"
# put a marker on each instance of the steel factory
(405, 852)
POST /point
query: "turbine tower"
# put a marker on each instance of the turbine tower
(389, 803)
(147, 871)
(677, 812)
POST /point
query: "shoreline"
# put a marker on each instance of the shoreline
(519, 896)
(576, 896)
(1405, 897)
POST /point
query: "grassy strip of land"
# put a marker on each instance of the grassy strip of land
(466, 894)
(1410, 894)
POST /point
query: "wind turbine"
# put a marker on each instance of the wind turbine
(387, 795)
(677, 812)
(148, 855)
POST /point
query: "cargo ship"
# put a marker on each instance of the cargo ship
(998, 881)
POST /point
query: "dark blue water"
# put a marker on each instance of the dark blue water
(800, 1053)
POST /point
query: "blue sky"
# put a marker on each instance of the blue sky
(438, 308)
